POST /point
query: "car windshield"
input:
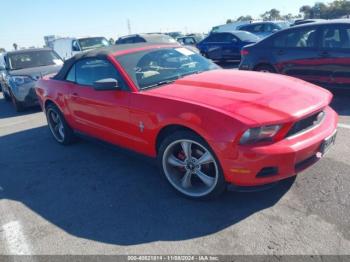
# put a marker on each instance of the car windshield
(29, 59)
(246, 36)
(153, 68)
(92, 43)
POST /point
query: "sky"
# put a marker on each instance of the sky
(27, 22)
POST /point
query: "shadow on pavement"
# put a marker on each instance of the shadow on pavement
(341, 101)
(112, 196)
(8, 110)
(229, 65)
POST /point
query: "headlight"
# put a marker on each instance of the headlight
(20, 80)
(264, 133)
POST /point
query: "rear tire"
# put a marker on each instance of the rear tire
(265, 69)
(61, 131)
(190, 166)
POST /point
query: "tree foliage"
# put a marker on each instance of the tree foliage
(335, 9)
(244, 18)
(271, 15)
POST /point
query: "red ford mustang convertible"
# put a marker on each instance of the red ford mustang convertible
(207, 126)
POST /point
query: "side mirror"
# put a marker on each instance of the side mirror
(106, 84)
(275, 30)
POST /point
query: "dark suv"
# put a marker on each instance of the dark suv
(317, 52)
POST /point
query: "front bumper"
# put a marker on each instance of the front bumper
(26, 95)
(260, 165)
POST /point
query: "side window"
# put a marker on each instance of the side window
(301, 38)
(75, 46)
(223, 38)
(248, 28)
(212, 38)
(257, 28)
(337, 37)
(139, 40)
(269, 28)
(71, 74)
(129, 40)
(189, 41)
(89, 71)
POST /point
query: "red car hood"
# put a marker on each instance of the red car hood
(252, 97)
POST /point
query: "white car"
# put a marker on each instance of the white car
(68, 47)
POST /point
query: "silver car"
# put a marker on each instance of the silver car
(21, 71)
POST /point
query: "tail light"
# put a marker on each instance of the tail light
(244, 52)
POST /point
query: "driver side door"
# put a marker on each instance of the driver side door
(99, 113)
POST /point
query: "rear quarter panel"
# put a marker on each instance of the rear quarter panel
(57, 92)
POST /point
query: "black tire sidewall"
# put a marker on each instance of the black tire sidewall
(18, 106)
(268, 68)
(221, 183)
(69, 137)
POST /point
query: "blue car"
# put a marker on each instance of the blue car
(226, 46)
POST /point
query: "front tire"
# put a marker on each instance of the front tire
(17, 105)
(190, 166)
(59, 128)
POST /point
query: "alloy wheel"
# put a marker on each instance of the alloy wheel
(56, 125)
(190, 168)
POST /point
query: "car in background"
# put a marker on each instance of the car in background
(317, 52)
(306, 21)
(22, 70)
(145, 38)
(174, 35)
(226, 46)
(207, 127)
(2, 68)
(68, 47)
(229, 27)
(191, 39)
(152, 38)
(264, 29)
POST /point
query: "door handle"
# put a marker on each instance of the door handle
(281, 52)
(75, 94)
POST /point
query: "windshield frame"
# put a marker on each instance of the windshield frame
(10, 57)
(125, 61)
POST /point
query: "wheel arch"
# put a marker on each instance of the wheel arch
(171, 129)
(264, 64)
(49, 102)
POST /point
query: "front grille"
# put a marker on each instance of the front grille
(306, 124)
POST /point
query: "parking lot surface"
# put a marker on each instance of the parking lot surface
(90, 198)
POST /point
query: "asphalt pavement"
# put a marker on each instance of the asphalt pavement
(90, 198)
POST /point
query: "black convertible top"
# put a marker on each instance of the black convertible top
(98, 53)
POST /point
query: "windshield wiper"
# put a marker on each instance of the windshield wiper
(191, 73)
(165, 82)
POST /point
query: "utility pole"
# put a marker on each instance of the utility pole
(129, 26)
